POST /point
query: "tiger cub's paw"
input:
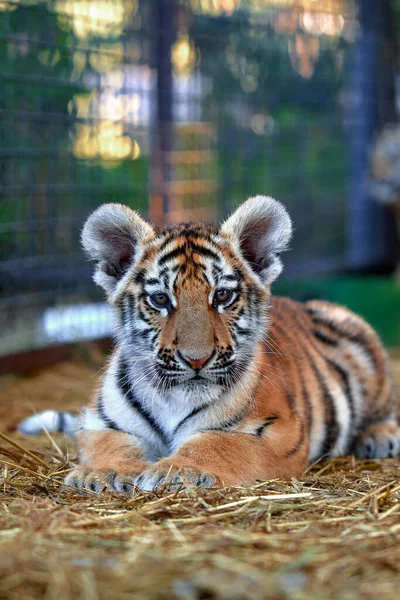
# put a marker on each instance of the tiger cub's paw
(99, 481)
(84, 478)
(379, 441)
(172, 477)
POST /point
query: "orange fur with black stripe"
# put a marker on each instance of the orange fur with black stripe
(212, 380)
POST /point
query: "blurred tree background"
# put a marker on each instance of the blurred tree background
(60, 155)
(182, 109)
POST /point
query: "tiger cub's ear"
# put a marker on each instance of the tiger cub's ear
(261, 228)
(111, 236)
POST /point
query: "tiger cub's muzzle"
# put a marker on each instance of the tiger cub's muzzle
(179, 368)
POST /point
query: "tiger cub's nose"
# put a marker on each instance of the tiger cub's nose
(197, 363)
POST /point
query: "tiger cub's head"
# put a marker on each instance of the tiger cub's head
(192, 299)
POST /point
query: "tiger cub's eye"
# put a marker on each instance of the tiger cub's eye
(222, 296)
(159, 299)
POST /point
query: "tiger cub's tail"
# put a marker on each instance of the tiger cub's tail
(51, 421)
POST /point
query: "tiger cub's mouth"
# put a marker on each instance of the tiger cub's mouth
(221, 377)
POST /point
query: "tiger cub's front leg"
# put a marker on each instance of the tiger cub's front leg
(106, 458)
(225, 458)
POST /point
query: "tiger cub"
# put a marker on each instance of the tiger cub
(213, 381)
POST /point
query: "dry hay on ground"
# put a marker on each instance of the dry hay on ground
(335, 534)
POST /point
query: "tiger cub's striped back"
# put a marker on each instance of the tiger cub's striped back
(341, 374)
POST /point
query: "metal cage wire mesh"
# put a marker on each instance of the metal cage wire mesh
(180, 109)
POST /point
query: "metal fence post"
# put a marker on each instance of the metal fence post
(163, 36)
(371, 103)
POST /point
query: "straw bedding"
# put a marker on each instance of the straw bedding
(334, 534)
